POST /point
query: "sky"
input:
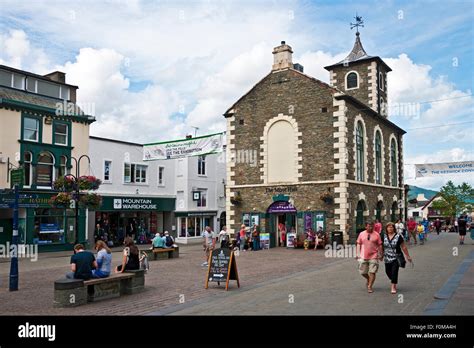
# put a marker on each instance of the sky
(152, 70)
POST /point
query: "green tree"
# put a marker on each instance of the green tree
(453, 199)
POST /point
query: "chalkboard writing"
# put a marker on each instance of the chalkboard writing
(222, 267)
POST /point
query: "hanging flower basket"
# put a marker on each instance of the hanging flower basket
(64, 183)
(88, 183)
(326, 197)
(236, 200)
(92, 201)
(61, 200)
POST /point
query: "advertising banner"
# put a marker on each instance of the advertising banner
(437, 169)
(184, 148)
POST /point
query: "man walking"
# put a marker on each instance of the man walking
(368, 253)
(411, 229)
(437, 225)
(209, 243)
(462, 228)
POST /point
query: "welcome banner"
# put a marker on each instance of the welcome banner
(437, 169)
(198, 146)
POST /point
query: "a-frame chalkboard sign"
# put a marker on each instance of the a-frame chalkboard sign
(222, 267)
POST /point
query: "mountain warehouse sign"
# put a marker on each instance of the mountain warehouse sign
(133, 203)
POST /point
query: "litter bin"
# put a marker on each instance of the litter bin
(337, 237)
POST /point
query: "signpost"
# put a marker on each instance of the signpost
(222, 267)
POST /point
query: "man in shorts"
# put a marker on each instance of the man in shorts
(368, 253)
(209, 243)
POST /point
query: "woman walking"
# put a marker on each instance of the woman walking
(393, 245)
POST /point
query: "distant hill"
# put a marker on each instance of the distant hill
(415, 191)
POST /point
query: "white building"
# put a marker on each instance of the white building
(145, 197)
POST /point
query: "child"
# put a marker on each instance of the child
(421, 232)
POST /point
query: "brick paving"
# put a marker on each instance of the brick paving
(267, 277)
(165, 282)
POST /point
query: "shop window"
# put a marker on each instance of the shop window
(202, 165)
(161, 176)
(49, 226)
(60, 133)
(30, 129)
(203, 199)
(360, 151)
(182, 230)
(107, 169)
(45, 170)
(62, 166)
(378, 158)
(28, 169)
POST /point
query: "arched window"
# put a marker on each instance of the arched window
(360, 219)
(352, 80)
(28, 169)
(62, 166)
(393, 163)
(378, 158)
(45, 170)
(282, 158)
(360, 151)
(394, 211)
(378, 211)
(381, 81)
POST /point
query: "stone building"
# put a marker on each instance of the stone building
(326, 155)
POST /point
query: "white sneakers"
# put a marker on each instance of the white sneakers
(204, 264)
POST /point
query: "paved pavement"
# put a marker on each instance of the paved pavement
(270, 280)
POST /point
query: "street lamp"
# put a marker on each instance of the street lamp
(76, 198)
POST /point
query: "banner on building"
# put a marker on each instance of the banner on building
(198, 146)
(437, 169)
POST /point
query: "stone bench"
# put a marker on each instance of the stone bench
(76, 292)
(162, 253)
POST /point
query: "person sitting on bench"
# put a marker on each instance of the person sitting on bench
(130, 260)
(158, 242)
(104, 260)
(169, 241)
(82, 263)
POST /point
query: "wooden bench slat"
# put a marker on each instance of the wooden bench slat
(160, 250)
(110, 278)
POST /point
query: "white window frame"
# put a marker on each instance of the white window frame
(37, 130)
(53, 174)
(394, 140)
(345, 80)
(23, 85)
(381, 81)
(162, 183)
(66, 134)
(109, 180)
(202, 165)
(203, 193)
(133, 173)
(31, 168)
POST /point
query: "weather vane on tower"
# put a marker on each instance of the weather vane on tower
(359, 23)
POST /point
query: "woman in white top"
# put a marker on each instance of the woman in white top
(399, 227)
(224, 237)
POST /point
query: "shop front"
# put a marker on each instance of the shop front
(53, 229)
(139, 218)
(191, 224)
(283, 223)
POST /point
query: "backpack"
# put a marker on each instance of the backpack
(169, 241)
(144, 263)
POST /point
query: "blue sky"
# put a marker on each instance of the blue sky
(164, 67)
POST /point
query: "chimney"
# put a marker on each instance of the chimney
(282, 57)
(57, 76)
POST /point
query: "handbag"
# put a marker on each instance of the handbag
(400, 258)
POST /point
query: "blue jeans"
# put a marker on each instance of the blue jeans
(97, 273)
(242, 244)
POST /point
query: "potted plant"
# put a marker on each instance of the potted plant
(64, 183)
(61, 200)
(91, 201)
(326, 197)
(237, 199)
(88, 183)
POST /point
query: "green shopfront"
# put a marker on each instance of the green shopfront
(53, 229)
(137, 217)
